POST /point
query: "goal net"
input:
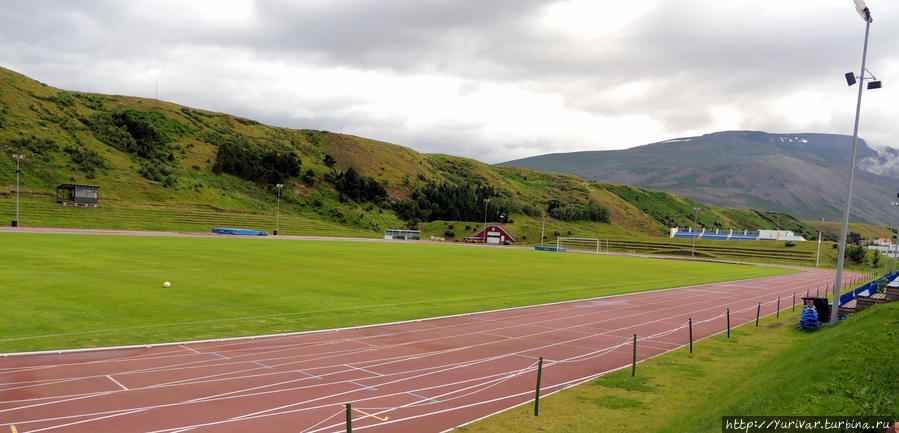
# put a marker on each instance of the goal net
(583, 244)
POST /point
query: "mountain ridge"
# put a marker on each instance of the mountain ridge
(804, 174)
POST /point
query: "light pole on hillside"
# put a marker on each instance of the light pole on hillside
(18, 158)
(896, 248)
(696, 221)
(874, 84)
(486, 200)
(278, 211)
(818, 252)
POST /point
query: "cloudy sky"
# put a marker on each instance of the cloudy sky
(492, 80)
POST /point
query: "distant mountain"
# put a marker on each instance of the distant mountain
(804, 175)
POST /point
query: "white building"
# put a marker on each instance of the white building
(779, 235)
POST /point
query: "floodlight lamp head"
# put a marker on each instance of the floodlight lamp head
(279, 185)
(874, 85)
(850, 79)
(863, 10)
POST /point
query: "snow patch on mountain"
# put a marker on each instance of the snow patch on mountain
(886, 163)
(792, 140)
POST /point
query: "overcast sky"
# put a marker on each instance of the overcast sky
(493, 80)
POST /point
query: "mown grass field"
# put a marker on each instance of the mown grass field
(67, 290)
(772, 370)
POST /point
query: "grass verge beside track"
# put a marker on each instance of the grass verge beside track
(775, 370)
(68, 290)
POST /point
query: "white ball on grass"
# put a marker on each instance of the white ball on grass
(166, 284)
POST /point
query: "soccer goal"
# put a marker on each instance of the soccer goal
(582, 244)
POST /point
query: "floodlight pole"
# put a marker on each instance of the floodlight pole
(845, 228)
(696, 221)
(542, 231)
(894, 204)
(278, 211)
(895, 252)
(818, 253)
(18, 158)
(486, 200)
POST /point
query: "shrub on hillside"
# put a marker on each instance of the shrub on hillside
(86, 160)
(39, 147)
(255, 164)
(358, 187)
(856, 253)
(451, 202)
(146, 134)
(580, 212)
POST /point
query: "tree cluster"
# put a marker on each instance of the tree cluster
(146, 134)
(578, 212)
(255, 164)
(359, 188)
(449, 202)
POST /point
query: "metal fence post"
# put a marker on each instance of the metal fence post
(537, 392)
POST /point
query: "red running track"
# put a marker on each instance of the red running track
(417, 377)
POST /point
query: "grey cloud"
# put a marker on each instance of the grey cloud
(692, 55)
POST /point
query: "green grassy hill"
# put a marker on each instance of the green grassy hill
(162, 166)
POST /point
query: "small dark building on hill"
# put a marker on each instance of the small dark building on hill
(69, 194)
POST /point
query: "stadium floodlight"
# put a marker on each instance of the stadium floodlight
(18, 157)
(895, 249)
(486, 200)
(865, 13)
(695, 220)
(278, 211)
(863, 10)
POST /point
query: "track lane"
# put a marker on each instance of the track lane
(422, 376)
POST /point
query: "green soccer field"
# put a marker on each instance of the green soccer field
(69, 290)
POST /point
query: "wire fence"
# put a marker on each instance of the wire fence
(740, 317)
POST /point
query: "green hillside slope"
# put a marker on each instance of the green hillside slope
(162, 166)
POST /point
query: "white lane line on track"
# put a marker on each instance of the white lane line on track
(438, 352)
(422, 397)
(217, 423)
(261, 364)
(362, 369)
(750, 307)
(563, 307)
(309, 374)
(361, 385)
(117, 382)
